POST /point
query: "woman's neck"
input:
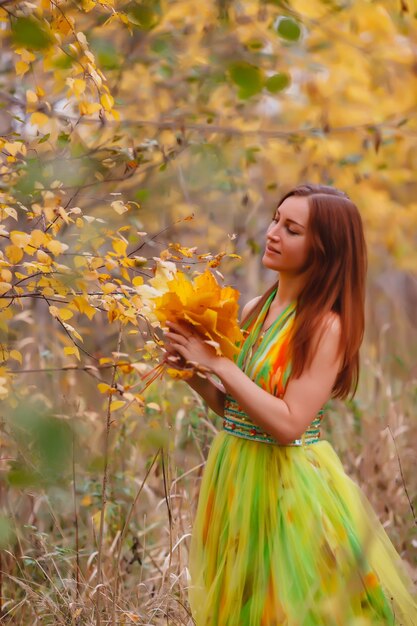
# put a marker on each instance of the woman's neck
(289, 288)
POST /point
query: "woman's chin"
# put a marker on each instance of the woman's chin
(269, 263)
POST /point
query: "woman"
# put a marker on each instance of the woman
(282, 536)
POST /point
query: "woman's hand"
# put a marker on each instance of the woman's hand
(190, 345)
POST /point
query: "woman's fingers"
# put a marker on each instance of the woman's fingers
(177, 338)
(180, 328)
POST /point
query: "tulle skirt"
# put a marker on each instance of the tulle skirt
(283, 536)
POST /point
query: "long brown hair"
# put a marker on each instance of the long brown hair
(335, 281)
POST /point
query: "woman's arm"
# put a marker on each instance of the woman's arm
(212, 392)
(284, 418)
(287, 418)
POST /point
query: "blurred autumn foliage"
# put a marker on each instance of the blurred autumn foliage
(139, 133)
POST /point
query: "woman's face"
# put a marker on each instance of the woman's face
(286, 238)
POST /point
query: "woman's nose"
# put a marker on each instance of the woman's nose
(274, 232)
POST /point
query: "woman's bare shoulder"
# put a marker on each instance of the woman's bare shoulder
(249, 306)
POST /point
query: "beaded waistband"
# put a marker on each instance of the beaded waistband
(236, 422)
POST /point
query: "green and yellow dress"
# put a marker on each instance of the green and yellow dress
(282, 536)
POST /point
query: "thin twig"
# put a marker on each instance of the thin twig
(402, 475)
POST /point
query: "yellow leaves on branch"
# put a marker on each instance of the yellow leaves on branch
(210, 308)
(88, 108)
(83, 306)
(63, 314)
(30, 243)
(154, 287)
(76, 86)
(26, 57)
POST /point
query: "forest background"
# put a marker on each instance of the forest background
(166, 129)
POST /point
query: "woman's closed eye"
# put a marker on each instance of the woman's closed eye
(289, 230)
(292, 232)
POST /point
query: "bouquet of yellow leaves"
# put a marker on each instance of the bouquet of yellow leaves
(210, 308)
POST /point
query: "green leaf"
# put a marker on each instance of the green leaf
(162, 45)
(288, 29)
(278, 82)
(6, 531)
(106, 52)
(247, 77)
(30, 33)
(250, 154)
(143, 16)
(62, 61)
(142, 194)
(22, 478)
(44, 138)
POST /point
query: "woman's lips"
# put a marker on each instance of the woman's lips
(269, 249)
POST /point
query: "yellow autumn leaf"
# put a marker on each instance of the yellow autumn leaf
(6, 275)
(21, 68)
(10, 211)
(38, 238)
(43, 257)
(119, 246)
(72, 350)
(72, 330)
(26, 55)
(137, 280)
(39, 119)
(54, 311)
(19, 238)
(56, 247)
(65, 314)
(88, 108)
(117, 404)
(119, 207)
(84, 306)
(4, 288)
(88, 5)
(16, 355)
(179, 374)
(31, 101)
(14, 254)
(64, 215)
(153, 406)
(13, 147)
(103, 387)
(107, 101)
(76, 85)
(86, 500)
(109, 288)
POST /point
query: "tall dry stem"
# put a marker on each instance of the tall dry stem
(123, 534)
(104, 490)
